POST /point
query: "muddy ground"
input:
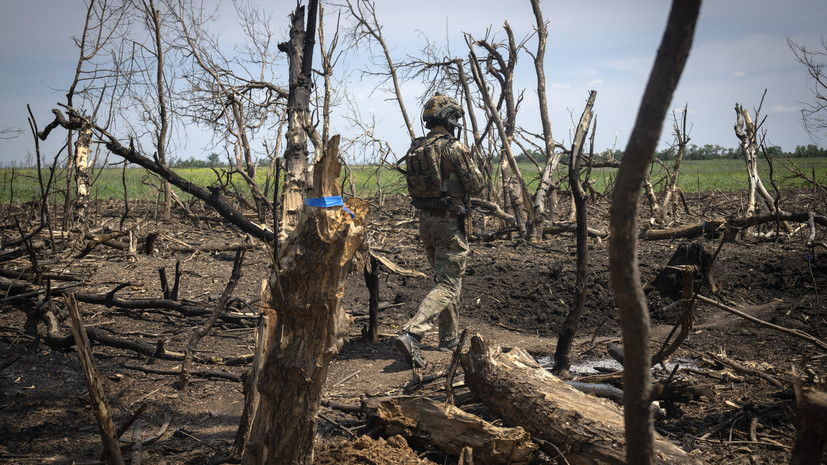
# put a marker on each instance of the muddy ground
(515, 294)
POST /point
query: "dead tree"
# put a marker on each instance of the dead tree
(111, 448)
(132, 155)
(308, 323)
(519, 200)
(814, 114)
(154, 21)
(669, 201)
(101, 26)
(545, 202)
(623, 261)
(562, 361)
(366, 28)
(299, 50)
(747, 132)
(231, 104)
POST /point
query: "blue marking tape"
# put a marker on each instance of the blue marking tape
(323, 202)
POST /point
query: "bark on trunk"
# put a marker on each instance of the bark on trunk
(82, 181)
(811, 425)
(306, 294)
(298, 115)
(583, 428)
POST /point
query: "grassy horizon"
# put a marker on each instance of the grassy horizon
(22, 185)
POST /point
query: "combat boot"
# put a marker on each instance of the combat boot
(448, 345)
(408, 345)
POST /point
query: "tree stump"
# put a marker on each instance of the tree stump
(669, 282)
(309, 325)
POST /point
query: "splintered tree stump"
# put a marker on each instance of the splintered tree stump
(669, 282)
(310, 324)
(583, 428)
(450, 429)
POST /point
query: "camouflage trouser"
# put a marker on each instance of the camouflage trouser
(447, 250)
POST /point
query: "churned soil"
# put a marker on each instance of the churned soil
(516, 294)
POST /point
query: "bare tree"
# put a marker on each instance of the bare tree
(102, 26)
(623, 260)
(669, 201)
(545, 190)
(155, 110)
(502, 70)
(748, 132)
(814, 114)
(562, 361)
(234, 97)
(366, 30)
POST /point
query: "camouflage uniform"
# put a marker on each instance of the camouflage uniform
(445, 245)
(442, 176)
(447, 249)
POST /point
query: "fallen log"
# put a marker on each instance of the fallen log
(450, 429)
(585, 429)
(738, 223)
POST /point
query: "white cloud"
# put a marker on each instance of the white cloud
(778, 109)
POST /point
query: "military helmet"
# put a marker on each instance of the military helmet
(444, 110)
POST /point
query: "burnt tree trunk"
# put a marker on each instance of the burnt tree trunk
(106, 427)
(562, 360)
(545, 199)
(311, 324)
(372, 282)
(623, 224)
(300, 55)
(582, 428)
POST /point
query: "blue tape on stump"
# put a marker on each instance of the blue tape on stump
(323, 202)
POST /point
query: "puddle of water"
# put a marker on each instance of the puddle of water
(589, 366)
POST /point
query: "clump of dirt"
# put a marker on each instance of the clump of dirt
(366, 450)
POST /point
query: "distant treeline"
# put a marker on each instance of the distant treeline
(707, 152)
(213, 160)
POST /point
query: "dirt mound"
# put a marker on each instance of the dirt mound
(365, 450)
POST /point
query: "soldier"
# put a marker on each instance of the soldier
(441, 176)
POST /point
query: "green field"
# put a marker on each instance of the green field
(21, 185)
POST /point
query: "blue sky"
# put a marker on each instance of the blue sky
(740, 49)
